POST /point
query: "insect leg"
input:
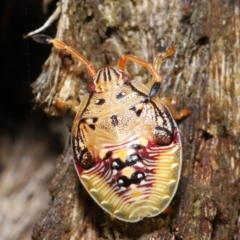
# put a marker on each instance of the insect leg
(158, 61)
(176, 115)
(64, 105)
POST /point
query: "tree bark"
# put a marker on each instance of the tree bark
(203, 75)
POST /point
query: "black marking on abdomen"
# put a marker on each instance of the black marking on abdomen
(136, 178)
(117, 164)
(108, 155)
(114, 120)
(137, 146)
(123, 181)
(133, 159)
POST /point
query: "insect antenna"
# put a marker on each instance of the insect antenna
(41, 38)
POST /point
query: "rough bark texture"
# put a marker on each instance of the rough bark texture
(203, 75)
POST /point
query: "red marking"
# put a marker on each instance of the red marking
(91, 87)
(78, 166)
(176, 137)
(125, 77)
(149, 162)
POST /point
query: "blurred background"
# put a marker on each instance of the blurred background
(30, 141)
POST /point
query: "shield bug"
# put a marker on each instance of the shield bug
(126, 145)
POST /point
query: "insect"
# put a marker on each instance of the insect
(126, 145)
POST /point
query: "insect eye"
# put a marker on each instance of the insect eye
(91, 87)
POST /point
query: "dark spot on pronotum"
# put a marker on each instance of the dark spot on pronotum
(92, 126)
(120, 95)
(114, 120)
(100, 101)
(94, 119)
(137, 111)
